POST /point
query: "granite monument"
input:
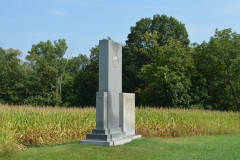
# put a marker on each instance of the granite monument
(115, 111)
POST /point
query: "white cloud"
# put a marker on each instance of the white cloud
(60, 13)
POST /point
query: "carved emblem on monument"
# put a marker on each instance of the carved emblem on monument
(115, 47)
(115, 61)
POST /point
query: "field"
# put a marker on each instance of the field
(25, 126)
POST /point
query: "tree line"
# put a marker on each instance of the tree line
(159, 65)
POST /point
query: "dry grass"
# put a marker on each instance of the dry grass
(151, 122)
(21, 126)
(25, 125)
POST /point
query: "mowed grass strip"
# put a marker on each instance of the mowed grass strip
(22, 126)
(195, 147)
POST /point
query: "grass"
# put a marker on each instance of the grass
(25, 126)
(194, 147)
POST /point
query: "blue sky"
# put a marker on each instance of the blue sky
(84, 22)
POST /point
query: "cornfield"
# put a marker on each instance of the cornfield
(23, 126)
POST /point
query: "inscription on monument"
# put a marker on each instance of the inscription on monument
(129, 113)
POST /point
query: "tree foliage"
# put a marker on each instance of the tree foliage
(161, 29)
(219, 64)
(166, 27)
(10, 76)
(168, 77)
(47, 60)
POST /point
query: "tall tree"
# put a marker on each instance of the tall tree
(47, 59)
(133, 58)
(165, 26)
(168, 77)
(75, 66)
(220, 57)
(10, 76)
(14, 77)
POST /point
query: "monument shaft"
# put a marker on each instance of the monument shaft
(110, 78)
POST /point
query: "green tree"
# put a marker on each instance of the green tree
(163, 28)
(47, 59)
(74, 67)
(76, 64)
(10, 75)
(168, 77)
(220, 59)
(166, 27)
(17, 81)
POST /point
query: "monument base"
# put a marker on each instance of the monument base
(115, 142)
